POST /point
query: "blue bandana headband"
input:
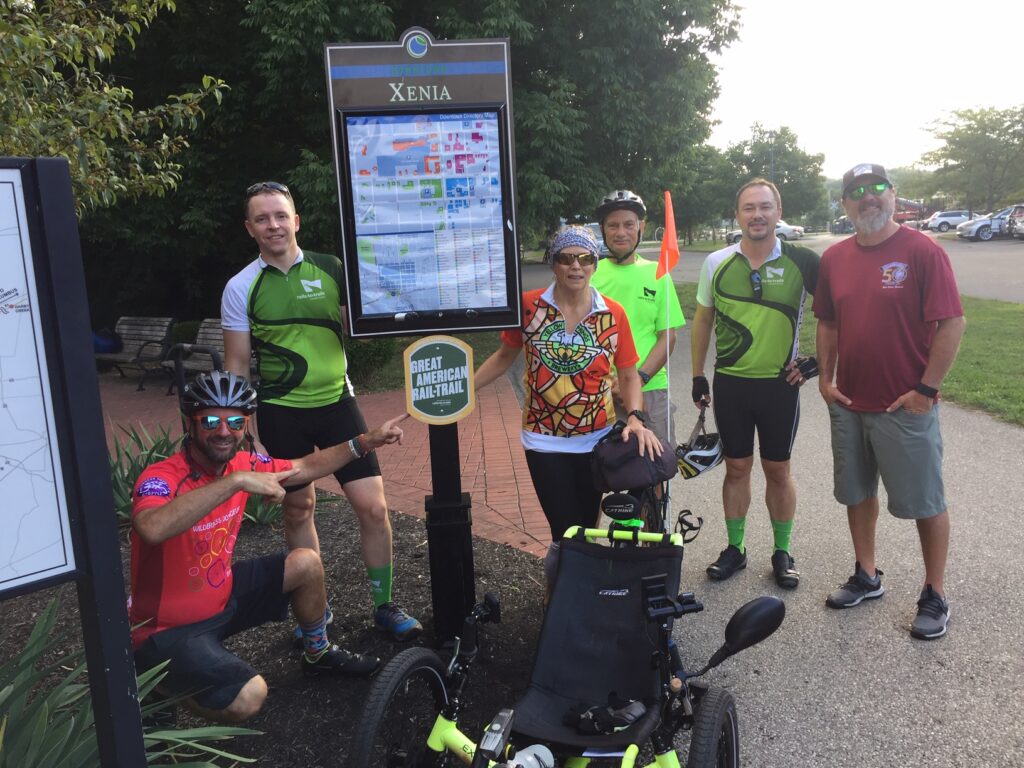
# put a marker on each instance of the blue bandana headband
(572, 235)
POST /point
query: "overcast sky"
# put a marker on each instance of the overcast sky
(860, 81)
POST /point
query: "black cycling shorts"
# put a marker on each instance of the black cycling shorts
(565, 488)
(769, 406)
(200, 666)
(291, 433)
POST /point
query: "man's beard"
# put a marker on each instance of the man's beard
(872, 221)
(217, 454)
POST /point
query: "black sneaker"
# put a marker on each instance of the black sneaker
(338, 661)
(784, 568)
(932, 615)
(857, 588)
(728, 562)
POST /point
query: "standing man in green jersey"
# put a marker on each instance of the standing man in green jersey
(753, 294)
(287, 307)
(651, 305)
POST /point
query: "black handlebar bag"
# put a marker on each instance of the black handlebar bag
(617, 464)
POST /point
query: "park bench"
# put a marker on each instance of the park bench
(195, 357)
(144, 345)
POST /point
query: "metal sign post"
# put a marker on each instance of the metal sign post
(439, 392)
(55, 484)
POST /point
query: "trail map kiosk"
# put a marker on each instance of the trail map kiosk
(422, 138)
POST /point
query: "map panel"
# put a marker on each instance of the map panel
(428, 211)
(36, 543)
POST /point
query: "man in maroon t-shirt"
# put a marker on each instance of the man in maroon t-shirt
(187, 594)
(889, 327)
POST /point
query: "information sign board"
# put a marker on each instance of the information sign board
(423, 145)
(36, 544)
(439, 379)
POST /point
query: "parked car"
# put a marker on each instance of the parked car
(1015, 222)
(943, 221)
(783, 231)
(985, 227)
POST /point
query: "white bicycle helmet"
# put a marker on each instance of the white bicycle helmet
(701, 452)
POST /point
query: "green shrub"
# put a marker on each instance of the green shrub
(364, 357)
(185, 331)
(129, 458)
(55, 727)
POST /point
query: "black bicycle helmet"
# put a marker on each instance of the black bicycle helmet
(621, 200)
(218, 389)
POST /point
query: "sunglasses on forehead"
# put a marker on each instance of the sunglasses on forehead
(210, 423)
(566, 259)
(875, 189)
(266, 186)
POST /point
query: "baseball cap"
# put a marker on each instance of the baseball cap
(858, 172)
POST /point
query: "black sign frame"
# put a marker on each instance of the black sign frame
(420, 322)
(59, 278)
(421, 76)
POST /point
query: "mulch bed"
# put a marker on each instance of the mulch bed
(310, 722)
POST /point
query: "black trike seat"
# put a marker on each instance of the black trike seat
(595, 640)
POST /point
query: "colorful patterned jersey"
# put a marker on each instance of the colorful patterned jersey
(568, 392)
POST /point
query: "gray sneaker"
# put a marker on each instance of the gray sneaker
(857, 588)
(932, 615)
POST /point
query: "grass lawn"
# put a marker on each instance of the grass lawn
(988, 374)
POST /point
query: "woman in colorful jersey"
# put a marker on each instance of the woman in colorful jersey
(571, 337)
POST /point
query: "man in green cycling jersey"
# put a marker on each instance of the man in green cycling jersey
(286, 306)
(651, 305)
(752, 293)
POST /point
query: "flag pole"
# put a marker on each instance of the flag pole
(667, 259)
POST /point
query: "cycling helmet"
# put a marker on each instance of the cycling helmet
(621, 199)
(701, 452)
(218, 389)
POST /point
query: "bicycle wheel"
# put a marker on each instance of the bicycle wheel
(400, 710)
(716, 735)
(652, 509)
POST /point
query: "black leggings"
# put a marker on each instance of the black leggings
(565, 488)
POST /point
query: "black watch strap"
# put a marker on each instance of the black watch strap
(927, 391)
(640, 415)
(644, 377)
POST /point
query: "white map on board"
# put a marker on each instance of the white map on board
(35, 541)
(428, 211)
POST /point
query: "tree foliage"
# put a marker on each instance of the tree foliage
(605, 95)
(776, 156)
(981, 160)
(57, 98)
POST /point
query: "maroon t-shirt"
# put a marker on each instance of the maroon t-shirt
(885, 300)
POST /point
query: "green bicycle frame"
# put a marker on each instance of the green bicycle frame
(620, 535)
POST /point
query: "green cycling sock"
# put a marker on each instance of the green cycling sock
(734, 527)
(783, 533)
(380, 584)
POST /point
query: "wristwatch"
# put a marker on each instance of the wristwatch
(644, 377)
(639, 414)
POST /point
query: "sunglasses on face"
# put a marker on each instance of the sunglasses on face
(566, 259)
(875, 189)
(755, 284)
(210, 423)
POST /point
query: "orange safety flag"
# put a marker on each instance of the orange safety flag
(669, 244)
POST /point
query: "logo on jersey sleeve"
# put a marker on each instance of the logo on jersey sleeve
(894, 274)
(262, 459)
(154, 486)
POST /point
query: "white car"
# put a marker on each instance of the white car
(943, 221)
(783, 231)
(985, 227)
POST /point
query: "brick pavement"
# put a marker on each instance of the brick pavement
(505, 508)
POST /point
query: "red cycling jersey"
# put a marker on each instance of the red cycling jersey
(188, 577)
